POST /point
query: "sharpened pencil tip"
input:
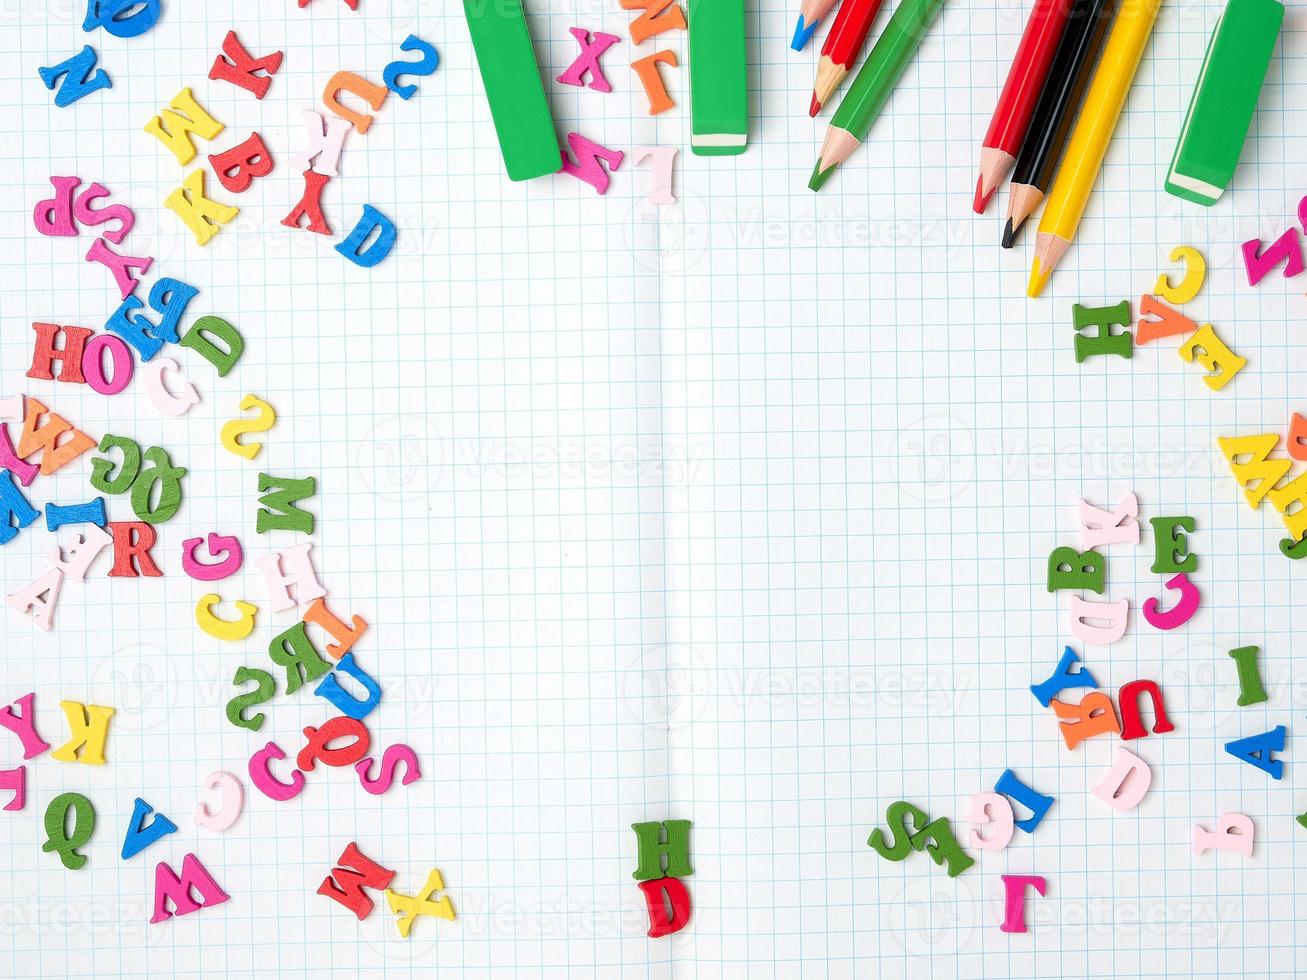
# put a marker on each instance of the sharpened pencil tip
(1009, 234)
(802, 33)
(814, 106)
(982, 199)
(1038, 279)
(819, 176)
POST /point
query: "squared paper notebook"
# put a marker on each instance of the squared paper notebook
(735, 510)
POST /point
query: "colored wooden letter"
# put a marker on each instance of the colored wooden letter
(1094, 715)
(237, 66)
(409, 907)
(173, 127)
(59, 840)
(232, 796)
(1179, 614)
(1124, 785)
(664, 849)
(1118, 526)
(1234, 832)
(669, 905)
(1251, 690)
(1014, 899)
(89, 724)
(169, 886)
(587, 62)
(1132, 725)
(202, 215)
(354, 872)
(139, 835)
(990, 808)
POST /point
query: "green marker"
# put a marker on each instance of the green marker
(719, 74)
(871, 89)
(1224, 100)
(509, 71)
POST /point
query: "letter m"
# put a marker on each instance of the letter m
(355, 871)
(279, 512)
(168, 886)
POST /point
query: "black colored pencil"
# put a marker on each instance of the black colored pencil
(1067, 80)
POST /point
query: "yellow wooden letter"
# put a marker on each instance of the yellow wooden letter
(225, 629)
(89, 724)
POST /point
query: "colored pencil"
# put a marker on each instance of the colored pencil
(1016, 103)
(1224, 100)
(518, 106)
(873, 85)
(719, 78)
(1067, 80)
(843, 45)
(810, 14)
(1089, 139)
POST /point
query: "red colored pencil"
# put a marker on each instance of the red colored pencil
(1016, 104)
(843, 44)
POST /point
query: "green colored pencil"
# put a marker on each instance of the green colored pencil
(871, 89)
(719, 92)
(518, 106)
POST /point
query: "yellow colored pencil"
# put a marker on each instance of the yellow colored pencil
(1093, 131)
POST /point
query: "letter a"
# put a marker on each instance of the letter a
(1257, 750)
